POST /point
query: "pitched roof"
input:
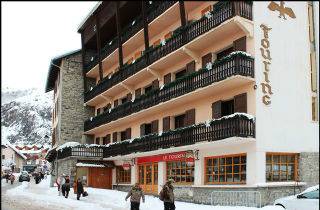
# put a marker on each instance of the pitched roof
(54, 69)
(16, 150)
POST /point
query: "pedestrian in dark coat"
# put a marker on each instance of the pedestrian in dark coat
(67, 186)
(80, 189)
(135, 195)
(167, 195)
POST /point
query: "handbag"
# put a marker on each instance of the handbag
(85, 193)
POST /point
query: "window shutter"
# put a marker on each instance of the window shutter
(114, 137)
(206, 59)
(166, 124)
(106, 139)
(97, 140)
(106, 108)
(191, 67)
(98, 111)
(142, 129)
(216, 110)
(115, 103)
(128, 133)
(129, 96)
(240, 103)
(154, 126)
(155, 84)
(138, 93)
(240, 44)
(190, 117)
(167, 78)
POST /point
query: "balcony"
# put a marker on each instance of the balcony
(237, 125)
(235, 64)
(80, 151)
(223, 12)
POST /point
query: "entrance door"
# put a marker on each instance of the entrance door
(148, 177)
(100, 177)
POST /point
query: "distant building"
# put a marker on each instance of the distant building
(12, 158)
(35, 153)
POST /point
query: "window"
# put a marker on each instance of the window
(123, 135)
(181, 73)
(281, 167)
(314, 109)
(147, 129)
(124, 100)
(224, 53)
(179, 121)
(147, 89)
(230, 169)
(180, 172)
(227, 107)
(123, 176)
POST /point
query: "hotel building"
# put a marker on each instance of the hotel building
(220, 96)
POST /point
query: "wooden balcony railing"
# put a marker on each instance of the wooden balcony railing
(235, 64)
(234, 126)
(81, 151)
(222, 12)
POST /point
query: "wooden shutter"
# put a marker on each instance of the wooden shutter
(138, 93)
(166, 124)
(115, 103)
(240, 103)
(114, 137)
(206, 59)
(98, 111)
(216, 110)
(167, 78)
(106, 139)
(155, 84)
(129, 96)
(155, 126)
(240, 44)
(142, 129)
(190, 117)
(128, 133)
(191, 67)
(97, 140)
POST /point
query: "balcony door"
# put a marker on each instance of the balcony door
(148, 177)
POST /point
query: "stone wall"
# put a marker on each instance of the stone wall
(73, 112)
(309, 168)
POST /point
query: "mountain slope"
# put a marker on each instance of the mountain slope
(26, 116)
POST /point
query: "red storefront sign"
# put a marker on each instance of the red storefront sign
(177, 156)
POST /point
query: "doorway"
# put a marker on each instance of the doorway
(148, 177)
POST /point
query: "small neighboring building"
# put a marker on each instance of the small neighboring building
(35, 153)
(12, 158)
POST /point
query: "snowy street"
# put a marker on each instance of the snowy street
(33, 196)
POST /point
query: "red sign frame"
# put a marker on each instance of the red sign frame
(177, 156)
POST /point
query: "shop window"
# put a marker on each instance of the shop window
(181, 172)
(123, 176)
(179, 121)
(281, 167)
(230, 169)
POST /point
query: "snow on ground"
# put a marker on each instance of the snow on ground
(101, 199)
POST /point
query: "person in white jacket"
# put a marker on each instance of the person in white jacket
(60, 182)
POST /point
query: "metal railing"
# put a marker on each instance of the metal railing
(236, 198)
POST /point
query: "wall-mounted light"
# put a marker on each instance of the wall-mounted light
(196, 154)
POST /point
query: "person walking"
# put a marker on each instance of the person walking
(167, 195)
(12, 178)
(67, 186)
(80, 189)
(135, 194)
(60, 181)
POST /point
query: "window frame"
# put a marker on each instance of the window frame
(123, 176)
(280, 154)
(206, 182)
(180, 175)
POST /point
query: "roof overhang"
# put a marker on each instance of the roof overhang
(54, 69)
(81, 26)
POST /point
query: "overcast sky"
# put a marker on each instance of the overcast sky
(32, 34)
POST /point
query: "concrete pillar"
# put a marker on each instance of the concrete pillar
(134, 171)
(256, 167)
(199, 170)
(161, 175)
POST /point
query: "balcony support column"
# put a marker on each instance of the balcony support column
(83, 52)
(119, 34)
(99, 46)
(128, 87)
(182, 13)
(154, 73)
(193, 54)
(145, 27)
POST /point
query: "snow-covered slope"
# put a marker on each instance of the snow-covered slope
(26, 116)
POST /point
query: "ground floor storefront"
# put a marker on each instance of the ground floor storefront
(214, 174)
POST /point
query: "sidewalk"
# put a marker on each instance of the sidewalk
(98, 199)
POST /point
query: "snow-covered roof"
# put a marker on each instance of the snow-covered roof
(68, 144)
(89, 165)
(16, 150)
(31, 151)
(88, 16)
